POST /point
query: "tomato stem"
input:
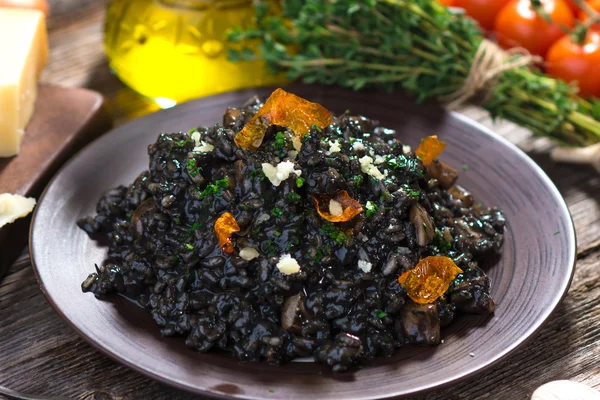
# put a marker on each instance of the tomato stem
(538, 7)
(579, 33)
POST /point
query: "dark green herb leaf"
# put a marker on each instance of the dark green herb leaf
(371, 208)
(195, 226)
(279, 140)
(214, 188)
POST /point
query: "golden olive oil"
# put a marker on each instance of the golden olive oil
(176, 50)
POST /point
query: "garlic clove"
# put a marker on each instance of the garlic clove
(565, 390)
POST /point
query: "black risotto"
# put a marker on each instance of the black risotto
(344, 304)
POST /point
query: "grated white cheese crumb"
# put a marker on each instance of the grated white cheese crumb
(365, 265)
(406, 149)
(204, 147)
(366, 166)
(288, 265)
(196, 137)
(335, 208)
(248, 253)
(334, 147)
(281, 172)
(358, 146)
(292, 154)
(379, 159)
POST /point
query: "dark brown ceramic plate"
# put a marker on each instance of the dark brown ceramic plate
(528, 282)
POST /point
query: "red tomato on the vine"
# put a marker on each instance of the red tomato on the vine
(518, 24)
(573, 62)
(595, 5)
(572, 6)
(482, 11)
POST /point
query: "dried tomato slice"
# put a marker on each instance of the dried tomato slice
(346, 207)
(283, 109)
(430, 149)
(225, 225)
(430, 279)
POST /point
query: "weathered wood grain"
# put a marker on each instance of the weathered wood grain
(39, 353)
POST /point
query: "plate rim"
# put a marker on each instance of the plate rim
(571, 257)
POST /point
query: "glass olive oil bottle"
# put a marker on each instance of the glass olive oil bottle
(176, 50)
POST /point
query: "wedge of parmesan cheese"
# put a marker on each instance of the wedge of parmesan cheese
(13, 207)
(24, 50)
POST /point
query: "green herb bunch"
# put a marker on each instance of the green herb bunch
(416, 46)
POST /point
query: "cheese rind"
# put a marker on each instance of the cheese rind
(13, 207)
(23, 54)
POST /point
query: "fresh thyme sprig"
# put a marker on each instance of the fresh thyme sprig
(415, 46)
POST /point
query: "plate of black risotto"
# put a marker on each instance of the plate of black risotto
(305, 242)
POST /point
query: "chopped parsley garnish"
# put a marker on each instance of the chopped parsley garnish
(258, 173)
(174, 259)
(182, 142)
(380, 314)
(404, 163)
(189, 247)
(279, 140)
(277, 212)
(271, 390)
(465, 167)
(178, 220)
(334, 233)
(192, 168)
(293, 197)
(196, 225)
(277, 234)
(270, 248)
(442, 245)
(316, 127)
(411, 192)
(358, 179)
(556, 233)
(399, 162)
(318, 256)
(371, 208)
(214, 188)
(299, 182)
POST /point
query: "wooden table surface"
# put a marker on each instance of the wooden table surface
(40, 354)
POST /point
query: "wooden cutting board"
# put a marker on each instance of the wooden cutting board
(65, 119)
